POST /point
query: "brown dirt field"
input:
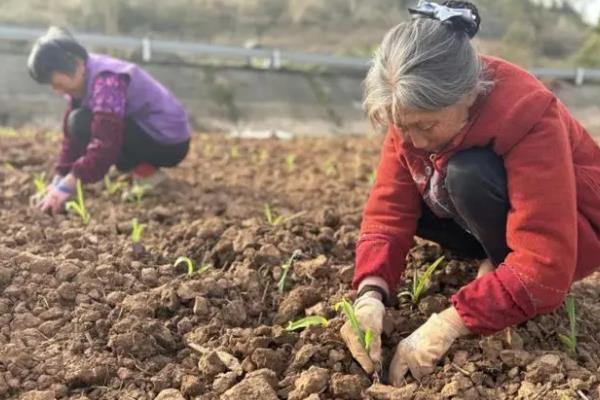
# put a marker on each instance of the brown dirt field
(85, 315)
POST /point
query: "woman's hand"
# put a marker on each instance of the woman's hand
(58, 194)
(422, 350)
(369, 311)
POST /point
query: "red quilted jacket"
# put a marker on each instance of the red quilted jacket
(553, 226)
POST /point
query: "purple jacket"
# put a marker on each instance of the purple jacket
(148, 102)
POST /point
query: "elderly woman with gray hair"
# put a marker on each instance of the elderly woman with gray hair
(480, 157)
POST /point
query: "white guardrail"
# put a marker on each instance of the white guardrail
(276, 58)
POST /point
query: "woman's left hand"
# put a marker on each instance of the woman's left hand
(57, 196)
(422, 350)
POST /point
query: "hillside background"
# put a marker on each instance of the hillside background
(531, 34)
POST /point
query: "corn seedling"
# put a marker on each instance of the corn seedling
(285, 268)
(138, 192)
(420, 282)
(41, 186)
(307, 322)
(263, 156)
(113, 187)
(290, 162)
(235, 153)
(136, 230)
(272, 219)
(191, 266)
(570, 340)
(78, 206)
(330, 169)
(366, 337)
(372, 176)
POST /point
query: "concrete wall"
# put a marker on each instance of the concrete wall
(235, 99)
(216, 99)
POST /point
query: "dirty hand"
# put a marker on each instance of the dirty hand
(421, 351)
(57, 196)
(369, 311)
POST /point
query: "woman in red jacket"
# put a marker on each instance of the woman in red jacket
(480, 157)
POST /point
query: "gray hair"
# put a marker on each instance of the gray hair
(421, 64)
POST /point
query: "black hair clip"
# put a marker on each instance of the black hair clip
(460, 18)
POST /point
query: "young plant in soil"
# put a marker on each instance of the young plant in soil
(78, 205)
(272, 219)
(136, 231)
(138, 192)
(570, 340)
(191, 266)
(290, 162)
(285, 268)
(41, 185)
(307, 322)
(330, 168)
(235, 153)
(366, 337)
(420, 282)
(372, 177)
(113, 188)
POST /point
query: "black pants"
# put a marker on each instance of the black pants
(138, 146)
(476, 183)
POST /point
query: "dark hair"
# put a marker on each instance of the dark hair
(56, 51)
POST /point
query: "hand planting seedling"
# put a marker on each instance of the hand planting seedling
(270, 216)
(307, 322)
(136, 231)
(286, 269)
(570, 340)
(290, 162)
(420, 282)
(191, 267)
(113, 187)
(78, 206)
(366, 337)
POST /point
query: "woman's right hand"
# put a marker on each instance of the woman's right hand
(369, 311)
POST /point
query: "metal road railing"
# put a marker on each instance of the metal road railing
(276, 58)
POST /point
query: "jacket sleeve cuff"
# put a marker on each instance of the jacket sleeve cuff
(494, 301)
(379, 256)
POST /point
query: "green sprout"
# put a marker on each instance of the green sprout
(263, 156)
(290, 162)
(113, 187)
(420, 282)
(366, 337)
(570, 340)
(235, 153)
(272, 219)
(286, 268)
(307, 322)
(330, 169)
(372, 176)
(40, 183)
(191, 266)
(79, 205)
(136, 230)
(138, 192)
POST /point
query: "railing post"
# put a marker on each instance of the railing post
(146, 49)
(579, 76)
(276, 59)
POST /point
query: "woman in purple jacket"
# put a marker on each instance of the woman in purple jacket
(117, 115)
